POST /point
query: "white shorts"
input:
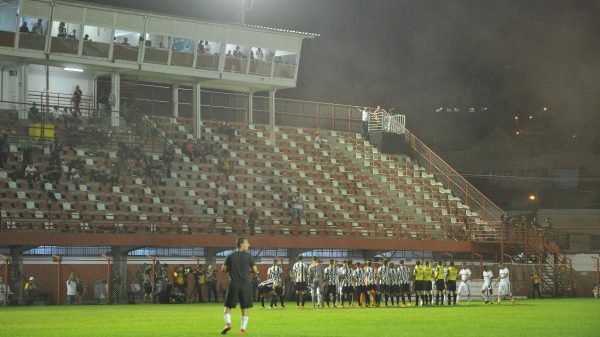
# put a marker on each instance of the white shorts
(465, 286)
(504, 288)
(486, 286)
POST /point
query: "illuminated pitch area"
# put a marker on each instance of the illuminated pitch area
(548, 317)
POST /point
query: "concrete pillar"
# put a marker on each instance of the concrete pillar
(120, 277)
(197, 110)
(115, 99)
(272, 115)
(251, 107)
(23, 91)
(210, 256)
(175, 100)
(16, 278)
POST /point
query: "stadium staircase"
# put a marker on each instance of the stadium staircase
(531, 248)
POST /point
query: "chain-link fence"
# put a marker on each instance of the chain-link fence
(101, 280)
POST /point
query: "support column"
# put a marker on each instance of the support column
(17, 279)
(210, 256)
(115, 99)
(175, 100)
(23, 91)
(272, 115)
(251, 107)
(120, 279)
(197, 111)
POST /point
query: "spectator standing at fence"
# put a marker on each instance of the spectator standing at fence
(29, 290)
(211, 284)
(62, 30)
(34, 113)
(180, 279)
(147, 282)
(37, 27)
(4, 150)
(24, 28)
(71, 289)
(4, 293)
(365, 122)
(199, 282)
(27, 148)
(76, 99)
(535, 285)
(80, 288)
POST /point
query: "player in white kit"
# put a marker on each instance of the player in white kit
(504, 283)
(465, 283)
(486, 289)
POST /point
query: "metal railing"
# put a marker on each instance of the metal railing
(47, 100)
(460, 187)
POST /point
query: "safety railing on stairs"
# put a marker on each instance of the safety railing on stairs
(460, 187)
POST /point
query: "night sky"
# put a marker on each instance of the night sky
(512, 57)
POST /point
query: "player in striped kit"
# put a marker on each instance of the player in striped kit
(394, 284)
(300, 272)
(360, 284)
(274, 273)
(315, 279)
(370, 284)
(383, 281)
(405, 277)
(331, 279)
(346, 275)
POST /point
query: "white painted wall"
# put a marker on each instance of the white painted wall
(9, 88)
(61, 81)
(583, 262)
(8, 17)
(98, 34)
(69, 26)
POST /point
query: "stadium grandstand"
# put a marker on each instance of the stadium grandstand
(137, 138)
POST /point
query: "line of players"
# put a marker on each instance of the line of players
(390, 284)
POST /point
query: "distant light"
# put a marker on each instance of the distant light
(545, 109)
(471, 109)
(532, 197)
(78, 70)
(516, 118)
(440, 109)
(517, 133)
(530, 117)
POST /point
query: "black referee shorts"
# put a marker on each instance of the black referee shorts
(451, 285)
(239, 292)
(440, 285)
(301, 286)
(347, 290)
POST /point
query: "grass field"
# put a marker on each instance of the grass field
(548, 317)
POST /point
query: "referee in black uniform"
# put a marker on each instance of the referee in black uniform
(239, 264)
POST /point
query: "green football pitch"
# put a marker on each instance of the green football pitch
(548, 317)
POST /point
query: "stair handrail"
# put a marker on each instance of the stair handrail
(460, 187)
